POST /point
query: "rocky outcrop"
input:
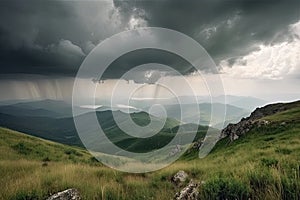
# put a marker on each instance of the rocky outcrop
(69, 194)
(234, 131)
(179, 178)
(190, 192)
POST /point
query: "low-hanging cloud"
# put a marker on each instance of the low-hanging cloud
(66, 47)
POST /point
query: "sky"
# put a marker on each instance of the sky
(255, 45)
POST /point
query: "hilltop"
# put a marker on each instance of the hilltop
(269, 115)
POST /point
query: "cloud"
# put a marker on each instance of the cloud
(53, 37)
(270, 61)
(137, 19)
(225, 28)
(136, 23)
(66, 47)
(88, 47)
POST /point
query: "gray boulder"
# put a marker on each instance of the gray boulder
(190, 192)
(179, 177)
(69, 194)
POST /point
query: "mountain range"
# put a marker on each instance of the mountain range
(43, 119)
(53, 120)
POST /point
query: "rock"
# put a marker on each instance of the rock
(234, 131)
(190, 192)
(197, 144)
(69, 194)
(176, 150)
(179, 177)
(283, 123)
(235, 137)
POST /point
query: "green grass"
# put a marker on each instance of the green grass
(288, 115)
(264, 164)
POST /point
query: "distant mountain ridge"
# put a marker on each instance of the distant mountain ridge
(61, 109)
(53, 120)
(62, 129)
(191, 113)
(245, 102)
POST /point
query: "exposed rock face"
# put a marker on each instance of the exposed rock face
(234, 131)
(190, 192)
(198, 144)
(179, 177)
(69, 194)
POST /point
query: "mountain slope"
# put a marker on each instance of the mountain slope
(60, 130)
(267, 116)
(56, 106)
(15, 146)
(63, 129)
(33, 112)
(130, 143)
(275, 122)
(264, 163)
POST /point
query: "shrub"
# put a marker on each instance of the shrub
(47, 159)
(22, 148)
(92, 161)
(72, 152)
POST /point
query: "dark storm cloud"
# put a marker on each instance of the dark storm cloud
(53, 37)
(226, 28)
(139, 57)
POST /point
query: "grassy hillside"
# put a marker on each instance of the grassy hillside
(263, 164)
(15, 146)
